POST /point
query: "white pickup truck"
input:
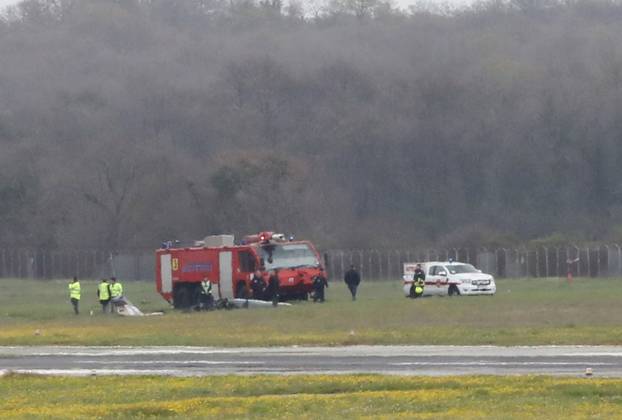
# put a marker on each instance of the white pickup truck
(450, 278)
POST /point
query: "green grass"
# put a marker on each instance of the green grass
(341, 396)
(527, 312)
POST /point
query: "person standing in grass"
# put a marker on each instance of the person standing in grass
(74, 294)
(116, 292)
(103, 294)
(273, 287)
(319, 283)
(352, 279)
(206, 300)
(416, 289)
(258, 285)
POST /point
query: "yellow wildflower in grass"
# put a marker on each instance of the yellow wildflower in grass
(311, 396)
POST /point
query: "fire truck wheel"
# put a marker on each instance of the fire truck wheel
(240, 291)
(453, 290)
(182, 297)
(196, 297)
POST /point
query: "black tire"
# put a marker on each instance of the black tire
(181, 298)
(240, 290)
(453, 290)
(195, 297)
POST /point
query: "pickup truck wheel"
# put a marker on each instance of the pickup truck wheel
(453, 290)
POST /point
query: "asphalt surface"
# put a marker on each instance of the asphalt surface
(604, 361)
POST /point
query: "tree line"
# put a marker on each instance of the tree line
(350, 122)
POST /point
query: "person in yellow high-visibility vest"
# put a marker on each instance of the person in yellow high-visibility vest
(103, 294)
(116, 292)
(416, 289)
(74, 294)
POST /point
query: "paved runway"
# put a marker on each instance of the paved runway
(605, 361)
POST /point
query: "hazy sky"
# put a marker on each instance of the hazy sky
(401, 3)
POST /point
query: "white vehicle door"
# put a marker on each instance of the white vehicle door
(436, 280)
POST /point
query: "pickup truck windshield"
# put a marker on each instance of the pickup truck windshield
(461, 268)
(288, 256)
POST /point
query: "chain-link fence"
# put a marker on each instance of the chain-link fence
(45, 264)
(586, 261)
(373, 264)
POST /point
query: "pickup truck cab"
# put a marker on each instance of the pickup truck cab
(450, 278)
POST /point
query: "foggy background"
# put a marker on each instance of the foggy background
(126, 123)
(398, 3)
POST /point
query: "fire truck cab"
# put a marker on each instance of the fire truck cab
(230, 267)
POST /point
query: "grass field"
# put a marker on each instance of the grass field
(364, 396)
(527, 312)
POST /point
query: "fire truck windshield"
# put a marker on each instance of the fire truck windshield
(288, 256)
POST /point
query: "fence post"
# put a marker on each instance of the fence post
(598, 261)
(76, 257)
(361, 261)
(520, 262)
(20, 272)
(619, 264)
(589, 265)
(380, 264)
(137, 263)
(546, 261)
(578, 262)
(505, 263)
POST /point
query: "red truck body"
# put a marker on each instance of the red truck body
(180, 270)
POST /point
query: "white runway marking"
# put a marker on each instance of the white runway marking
(176, 362)
(402, 360)
(496, 363)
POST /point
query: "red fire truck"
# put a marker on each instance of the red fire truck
(180, 270)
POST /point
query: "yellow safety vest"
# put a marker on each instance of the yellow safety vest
(104, 291)
(116, 290)
(207, 287)
(74, 290)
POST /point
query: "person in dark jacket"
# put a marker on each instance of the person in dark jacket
(258, 285)
(272, 292)
(319, 283)
(206, 299)
(352, 279)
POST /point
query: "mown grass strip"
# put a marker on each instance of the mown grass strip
(321, 396)
(524, 312)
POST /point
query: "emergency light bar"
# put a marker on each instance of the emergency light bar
(265, 238)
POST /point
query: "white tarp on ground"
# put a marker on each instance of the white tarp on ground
(126, 308)
(254, 303)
